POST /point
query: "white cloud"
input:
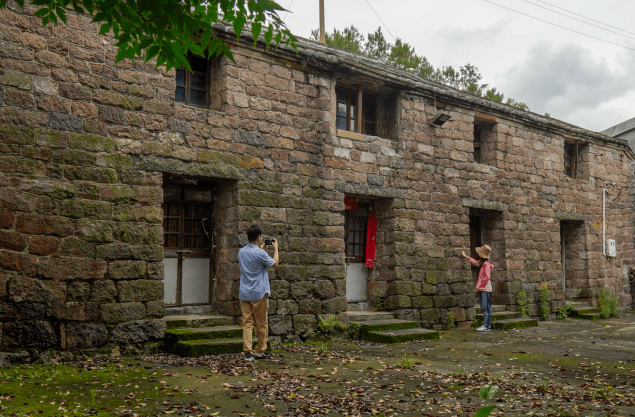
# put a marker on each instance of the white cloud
(569, 82)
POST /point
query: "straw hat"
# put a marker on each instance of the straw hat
(484, 251)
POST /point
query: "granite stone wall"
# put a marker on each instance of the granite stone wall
(85, 143)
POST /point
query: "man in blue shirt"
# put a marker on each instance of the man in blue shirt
(254, 291)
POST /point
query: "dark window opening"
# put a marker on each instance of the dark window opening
(369, 110)
(570, 159)
(478, 130)
(192, 87)
(356, 222)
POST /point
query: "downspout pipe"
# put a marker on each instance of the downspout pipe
(604, 190)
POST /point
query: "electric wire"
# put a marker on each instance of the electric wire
(627, 107)
(579, 20)
(288, 8)
(382, 22)
(562, 27)
(593, 20)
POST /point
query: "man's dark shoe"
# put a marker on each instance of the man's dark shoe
(249, 356)
(263, 355)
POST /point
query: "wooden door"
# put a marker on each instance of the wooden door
(188, 224)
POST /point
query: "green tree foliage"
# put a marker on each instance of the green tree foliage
(169, 29)
(403, 56)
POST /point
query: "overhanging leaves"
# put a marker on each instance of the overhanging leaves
(166, 29)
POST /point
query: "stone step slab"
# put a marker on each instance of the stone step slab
(173, 336)
(520, 323)
(195, 348)
(499, 316)
(388, 324)
(197, 320)
(495, 309)
(400, 336)
(360, 316)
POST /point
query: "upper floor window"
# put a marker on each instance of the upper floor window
(570, 160)
(353, 118)
(192, 87)
(477, 142)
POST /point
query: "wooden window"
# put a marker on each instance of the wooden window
(187, 219)
(346, 109)
(369, 112)
(192, 87)
(348, 117)
(570, 159)
(356, 222)
(478, 130)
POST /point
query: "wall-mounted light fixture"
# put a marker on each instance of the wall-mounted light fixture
(439, 119)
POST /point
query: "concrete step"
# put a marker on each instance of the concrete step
(388, 324)
(400, 336)
(194, 348)
(173, 336)
(180, 311)
(587, 313)
(360, 316)
(519, 323)
(499, 316)
(198, 320)
(578, 303)
(495, 309)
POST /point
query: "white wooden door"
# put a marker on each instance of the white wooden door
(355, 254)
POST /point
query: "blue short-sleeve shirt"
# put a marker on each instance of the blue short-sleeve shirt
(254, 280)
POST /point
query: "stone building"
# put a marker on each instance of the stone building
(126, 189)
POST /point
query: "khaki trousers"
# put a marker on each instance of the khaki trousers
(258, 311)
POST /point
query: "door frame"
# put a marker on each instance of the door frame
(181, 186)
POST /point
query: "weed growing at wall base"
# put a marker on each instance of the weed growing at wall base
(607, 303)
(523, 304)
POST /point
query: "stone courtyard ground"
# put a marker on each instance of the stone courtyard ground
(561, 368)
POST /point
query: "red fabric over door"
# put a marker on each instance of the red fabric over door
(350, 203)
(371, 239)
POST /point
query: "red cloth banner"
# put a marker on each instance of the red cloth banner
(350, 203)
(371, 239)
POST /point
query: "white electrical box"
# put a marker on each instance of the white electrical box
(611, 251)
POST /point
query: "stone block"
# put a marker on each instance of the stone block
(126, 270)
(422, 302)
(78, 291)
(444, 301)
(335, 305)
(25, 334)
(304, 324)
(12, 241)
(44, 245)
(22, 311)
(408, 314)
(66, 122)
(140, 290)
(74, 310)
(430, 317)
(43, 225)
(120, 312)
(279, 289)
(323, 289)
(85, 335)
(25, 289)
(103, 292)
(155, 309)
(301, 289)
(70, 269)
(408, 288)
(310, 306)
(396, 302)
(280, 324)
(287, 307)
(138, 331)
(114, 251)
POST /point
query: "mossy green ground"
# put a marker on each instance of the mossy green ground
(560, 368)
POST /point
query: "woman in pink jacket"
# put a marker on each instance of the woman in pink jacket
(484, 285)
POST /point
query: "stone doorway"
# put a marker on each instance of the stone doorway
(355, 228)
(486, 227)
(188, 240)
(575, 275)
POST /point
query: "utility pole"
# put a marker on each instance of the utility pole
(322, 33)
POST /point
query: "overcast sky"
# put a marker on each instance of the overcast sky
(577, 79)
